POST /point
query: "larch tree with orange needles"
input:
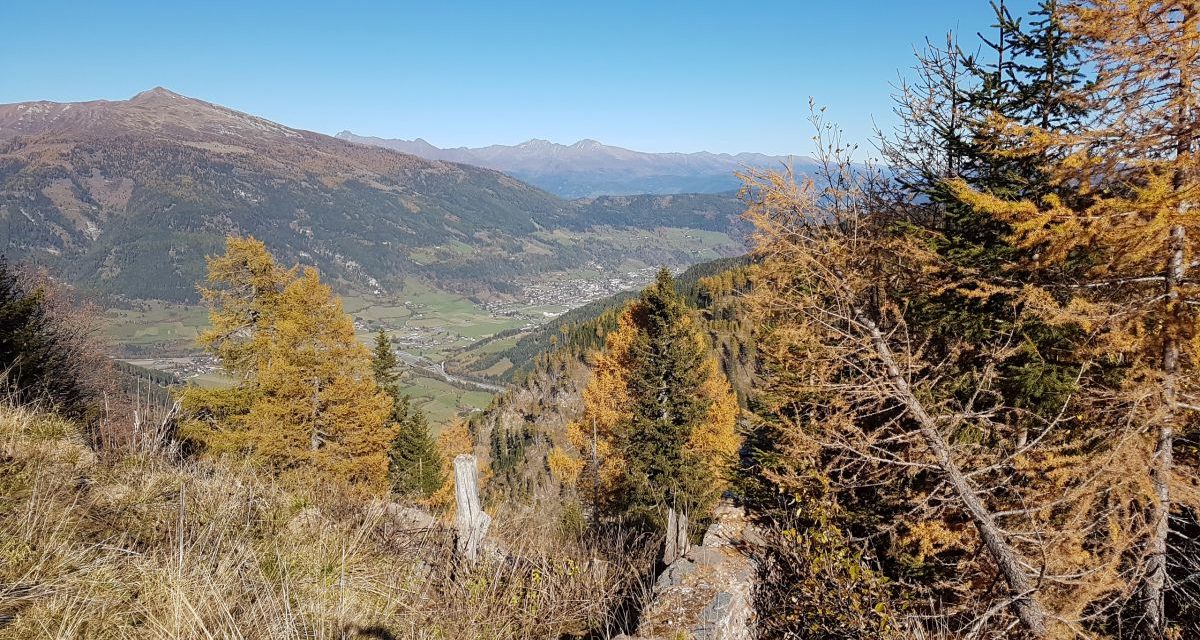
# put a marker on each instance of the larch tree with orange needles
(938, 465)
(305, 395)
(1130, 228)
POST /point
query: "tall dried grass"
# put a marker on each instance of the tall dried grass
(143, 546)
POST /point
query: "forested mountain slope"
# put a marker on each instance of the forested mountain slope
(127, 197)
(582, 328)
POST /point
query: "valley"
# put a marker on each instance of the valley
(939, 379)
(123, 200)
(431, 328)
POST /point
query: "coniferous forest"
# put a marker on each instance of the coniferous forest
(951, 390)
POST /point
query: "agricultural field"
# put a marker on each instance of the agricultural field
(442, 402)
(420, 321)
(155, 328)
(698, 244)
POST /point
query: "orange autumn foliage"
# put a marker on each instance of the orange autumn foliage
(305, 395)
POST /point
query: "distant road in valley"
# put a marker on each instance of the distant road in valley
(438, 370)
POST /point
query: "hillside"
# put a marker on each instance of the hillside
(147, 546)
(589, 168)
(126, 197)
(534, 393)
(511, 355)
(551, 366)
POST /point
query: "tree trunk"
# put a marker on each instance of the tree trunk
(314, 440)
(1154, 586)
(595, 478)
(1154, 616)
(1025, 604)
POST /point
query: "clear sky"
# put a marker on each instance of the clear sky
(720, 75)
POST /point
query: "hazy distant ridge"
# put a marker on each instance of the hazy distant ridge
(589, 168)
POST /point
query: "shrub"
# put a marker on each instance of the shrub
(46, 352)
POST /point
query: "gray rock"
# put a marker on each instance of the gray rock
(407, 518)
(708, 593)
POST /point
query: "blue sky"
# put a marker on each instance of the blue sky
(653, 76)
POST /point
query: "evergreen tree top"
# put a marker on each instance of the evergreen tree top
(384, 361)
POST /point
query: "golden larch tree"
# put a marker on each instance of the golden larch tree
(1129, 229)
(305, 395)
(870, 408)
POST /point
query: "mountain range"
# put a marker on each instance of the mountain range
(126, 197)
(589, 168)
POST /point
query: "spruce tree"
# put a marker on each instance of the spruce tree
(659, 426)
(383, 365)
(415, 465)
(1049, 71)
(384, 362)
(667, 371)
(1028, 71)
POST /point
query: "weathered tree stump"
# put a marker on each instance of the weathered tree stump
(471, 521)
(677, 536)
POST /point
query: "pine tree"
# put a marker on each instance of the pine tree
(659, 415)
(244, 304)
(305, 396)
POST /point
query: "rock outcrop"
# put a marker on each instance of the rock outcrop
(707, 594)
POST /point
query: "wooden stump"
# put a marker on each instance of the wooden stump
(471, 521)
(677, 537)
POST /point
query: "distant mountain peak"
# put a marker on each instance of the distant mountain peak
(148, 184)
(588, 143)
(126, 197)
(535, 143)
(157, 94)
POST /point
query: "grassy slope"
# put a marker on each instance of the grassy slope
(139, 547)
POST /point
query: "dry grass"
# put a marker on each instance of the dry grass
(144, 547)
